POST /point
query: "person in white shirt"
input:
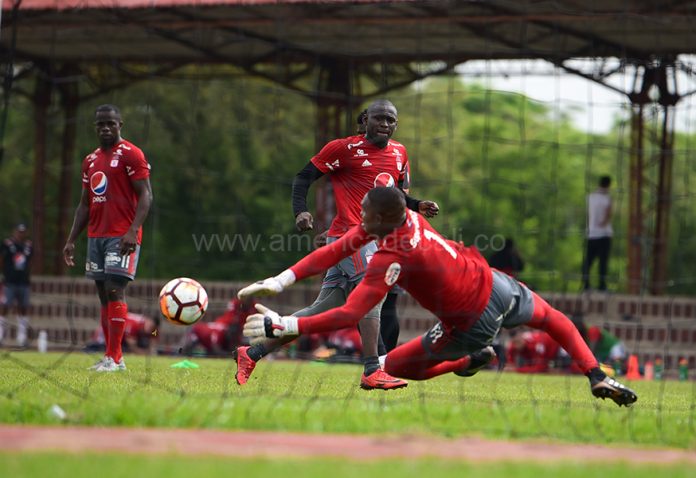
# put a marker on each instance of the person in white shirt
(599, 232)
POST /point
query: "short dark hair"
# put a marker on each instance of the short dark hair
(380, 102)
(387, 200)
(605, 181)
(108, 107)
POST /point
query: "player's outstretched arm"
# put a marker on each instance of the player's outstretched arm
(312, 264)
(268, 323)
(271, 286)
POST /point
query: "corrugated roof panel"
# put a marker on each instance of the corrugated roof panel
(110, 4)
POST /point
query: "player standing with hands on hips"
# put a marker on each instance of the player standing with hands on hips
(354, 165)
(115, 201)
(454, 282)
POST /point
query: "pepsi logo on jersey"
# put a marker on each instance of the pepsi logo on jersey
(384, 180)
(98, 183)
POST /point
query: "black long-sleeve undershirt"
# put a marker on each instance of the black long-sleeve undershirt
(309, 174)
(300, 187)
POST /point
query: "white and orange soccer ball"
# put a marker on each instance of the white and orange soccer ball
(183, 301)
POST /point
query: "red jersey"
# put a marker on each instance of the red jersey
(355, 166)
(234, 319)
(135, 326)
(236, 312)
(209, 334)
(451, 281)
(107, 175)
(533, 352)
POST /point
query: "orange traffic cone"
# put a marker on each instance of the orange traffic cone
(633, 373)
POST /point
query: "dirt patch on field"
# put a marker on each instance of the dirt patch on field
(281, 445)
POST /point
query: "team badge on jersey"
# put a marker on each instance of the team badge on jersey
(384, 180)
(98, 183)
(399, 163)
(392, 274)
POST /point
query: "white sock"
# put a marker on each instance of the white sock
(22, 326)
(382, 359)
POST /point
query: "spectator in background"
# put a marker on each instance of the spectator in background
(607, 347)
(15, 254)
(532, 352)
(343, 345)
(599, 233)
(221, 336)
(507, 259)
(210, 336)
(139, 335)
(234, 317)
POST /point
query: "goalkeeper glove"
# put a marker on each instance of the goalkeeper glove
(268, 323)
(270, 286)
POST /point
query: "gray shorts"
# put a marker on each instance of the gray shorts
(511, 304)
(104, 257)
(347, 274)
(16, 293)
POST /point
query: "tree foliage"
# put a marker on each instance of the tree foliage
(224, 154)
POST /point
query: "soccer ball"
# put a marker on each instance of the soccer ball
(183, 301)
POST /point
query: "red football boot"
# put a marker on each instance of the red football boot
(381, 380)
(244, 365)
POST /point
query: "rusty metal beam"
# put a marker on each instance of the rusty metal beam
(634, 265)
(42, 101)
(664, 204)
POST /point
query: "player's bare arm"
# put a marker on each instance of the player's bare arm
(143, 190)
(80, 221)
(300, 186)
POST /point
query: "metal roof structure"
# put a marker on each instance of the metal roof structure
(340, 52)
(282, 40)
(251, 31)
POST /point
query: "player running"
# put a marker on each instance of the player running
(355, 165)
(454, 282)
(116, 198)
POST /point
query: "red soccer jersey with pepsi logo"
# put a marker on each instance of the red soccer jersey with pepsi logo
(355, 166)
(107, 175)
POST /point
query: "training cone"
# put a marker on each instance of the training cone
(632, 373)
(184, 364)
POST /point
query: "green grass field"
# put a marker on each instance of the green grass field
(108, 466)
(315, 397)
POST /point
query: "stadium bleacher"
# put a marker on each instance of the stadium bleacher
(651, 327)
